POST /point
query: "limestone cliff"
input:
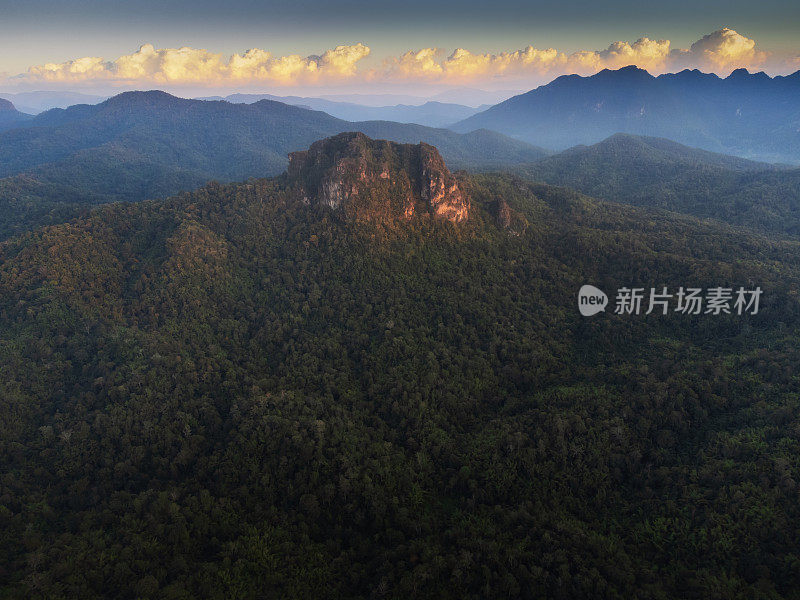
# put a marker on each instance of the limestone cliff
(377, 180)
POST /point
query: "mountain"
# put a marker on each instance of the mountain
(458, 95)
(10, 117)
(474, 97)
(749, 115)
(431, 113)
(234, 393)
(387, 99)
(378, 181)
(140, 145)
(646, 171)
(40, 101)
(202, 135)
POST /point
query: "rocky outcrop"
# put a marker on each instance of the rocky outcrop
(510, 219)
(377, 180)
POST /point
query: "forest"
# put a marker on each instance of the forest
(144, 145)
(656, 172)
(233, 394)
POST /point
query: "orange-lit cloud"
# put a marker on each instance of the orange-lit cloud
(197, 66)
(720, 51)
(462, 65)
(791, 64)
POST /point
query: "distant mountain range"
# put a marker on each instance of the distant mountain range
(452, 95)
(750, 115)
(10, 116)
(445, 107)
(35, 102)
(139, 145)
(431, 114)
(659, 173)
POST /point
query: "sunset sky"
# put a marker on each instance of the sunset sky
(311, 45)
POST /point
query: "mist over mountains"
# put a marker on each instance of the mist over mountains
(750, 115)
(430, 113)
(35, 102)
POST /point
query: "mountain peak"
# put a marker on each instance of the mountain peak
(743, 74)
(6, 106)
(150, 98)
(377, 180)
(629, 73)
(689, 76)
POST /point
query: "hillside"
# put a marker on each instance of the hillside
(238, 393)
(10, 117)
(749, 115)
(36, 102)
(430, 113)
(218, 138)
(659, 173)
(146, 144)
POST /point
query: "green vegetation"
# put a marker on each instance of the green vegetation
(659, 173)
(142, 145)
(230, 394)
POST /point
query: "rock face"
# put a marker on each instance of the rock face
(510, 219)
(6, 106)
(377, 180)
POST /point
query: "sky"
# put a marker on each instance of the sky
(315, 46)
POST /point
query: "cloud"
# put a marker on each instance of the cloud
(191, 65)
(645, 53)
(81, 69)
(414, 64)
(168, 65)
(463, 65)
(720, 51)
(791, 64)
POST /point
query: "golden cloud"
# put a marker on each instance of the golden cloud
(720, 51)
(724, 50)
(191, 65)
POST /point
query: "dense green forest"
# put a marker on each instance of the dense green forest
(655, 172)
(231, 394)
